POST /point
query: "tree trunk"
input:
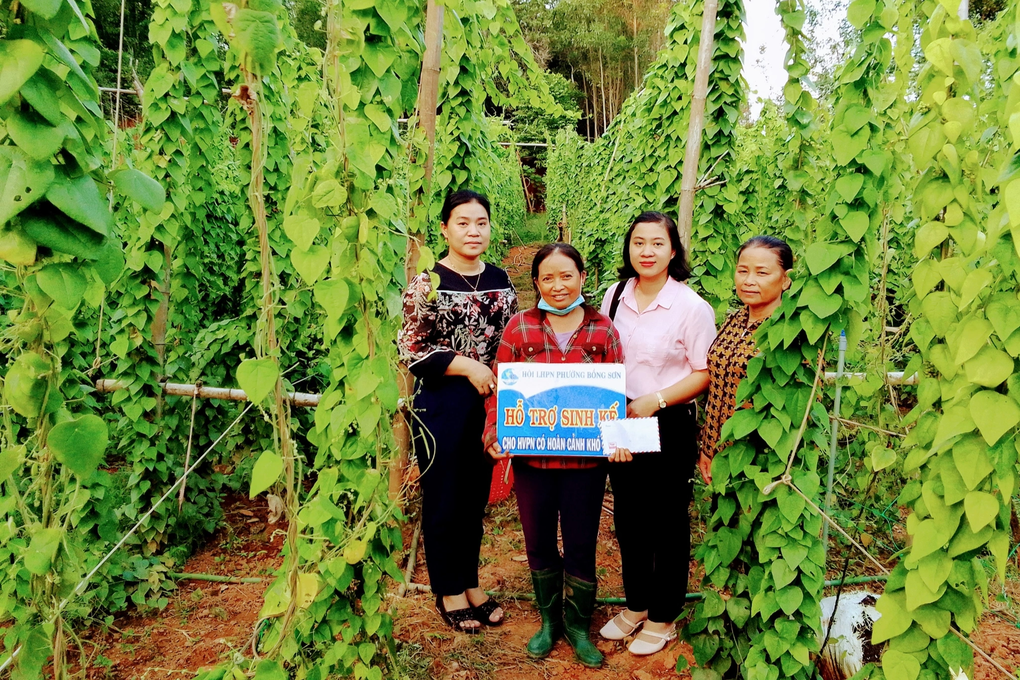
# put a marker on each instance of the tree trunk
(428, 95)
(637, 70)
(602, 77)
(697, 123)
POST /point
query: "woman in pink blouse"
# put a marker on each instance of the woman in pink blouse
(666, 330)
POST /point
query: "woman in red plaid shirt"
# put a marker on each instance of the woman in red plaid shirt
(553, 490)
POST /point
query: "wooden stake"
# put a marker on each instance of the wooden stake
(697, 123)
(428, 97)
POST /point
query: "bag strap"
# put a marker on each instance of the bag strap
(614, 304)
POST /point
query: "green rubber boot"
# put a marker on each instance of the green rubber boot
(579, 605)
(549, 598)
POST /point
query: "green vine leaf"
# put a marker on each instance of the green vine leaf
(25, 384)
(259, 36)
(333, 295)
(62, 282)
(257, 377)
(24, 181)
(79, 199)
(994, 414)
(19, 60)
(139, 187)
(17, 248)
(47, 9)
(10, 461)
(43, 550)
(267, 470)
(311, 263)
(80, 444)
(37, 138)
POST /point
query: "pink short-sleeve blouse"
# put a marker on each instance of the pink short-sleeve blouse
(667, 341)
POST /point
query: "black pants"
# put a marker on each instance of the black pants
(571, 499)
(651, 505)
(456, 474)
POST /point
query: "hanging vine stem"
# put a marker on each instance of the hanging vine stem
(270, 349)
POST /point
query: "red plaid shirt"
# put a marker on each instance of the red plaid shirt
(528, 337)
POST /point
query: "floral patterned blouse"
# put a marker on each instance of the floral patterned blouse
(727, 366)
(466, 316)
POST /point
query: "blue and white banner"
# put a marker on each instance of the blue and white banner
(555, 409)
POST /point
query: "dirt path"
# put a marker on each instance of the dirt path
(205, 622)
(499, 652)
(518, 265)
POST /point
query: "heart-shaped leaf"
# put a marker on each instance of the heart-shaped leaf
(994, 414)
(970, 455)
(332, 295)
(982, 509)
(55, 231)
(259, 36)
(855, 224)
(1004, 313)
(37, 138)
(989, 368)
(929, 236)
(19, 59)
(848, 186)
(23, 181)
(257, 377)
(24, 384)
(79, 199)
(301, 229)
(311, 263)
(934, 569)
(16, 247)
(47, 9)
(267, 470)
(10, 460)
(43, 550)
(139, 187)
(80, 444)
(62, 282)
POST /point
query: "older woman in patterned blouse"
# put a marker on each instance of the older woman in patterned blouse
(763, 274)
(453, 320)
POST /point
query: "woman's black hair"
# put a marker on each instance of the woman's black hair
(551, 248)
(777, 245)
(456, 198)
(678, 268)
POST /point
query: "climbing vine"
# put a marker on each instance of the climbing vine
(57, 233)
(764, 562)
(961, 446)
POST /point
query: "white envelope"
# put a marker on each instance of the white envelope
(637, 435)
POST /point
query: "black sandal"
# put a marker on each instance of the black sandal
(485, 610)
(455, 618)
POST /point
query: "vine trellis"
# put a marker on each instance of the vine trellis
(108, 239)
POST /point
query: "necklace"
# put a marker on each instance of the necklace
(478, 277)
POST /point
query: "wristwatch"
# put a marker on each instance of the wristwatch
(662, 402)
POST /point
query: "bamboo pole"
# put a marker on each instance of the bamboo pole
(304, 399)
(215, 578)
(697, 122)
(428, 98)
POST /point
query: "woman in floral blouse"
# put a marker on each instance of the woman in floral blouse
(762, 276)
(448, 341)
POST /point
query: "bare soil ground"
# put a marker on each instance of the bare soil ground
(208, 622)
(204, 621)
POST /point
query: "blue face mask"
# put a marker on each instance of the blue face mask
(546, 307)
